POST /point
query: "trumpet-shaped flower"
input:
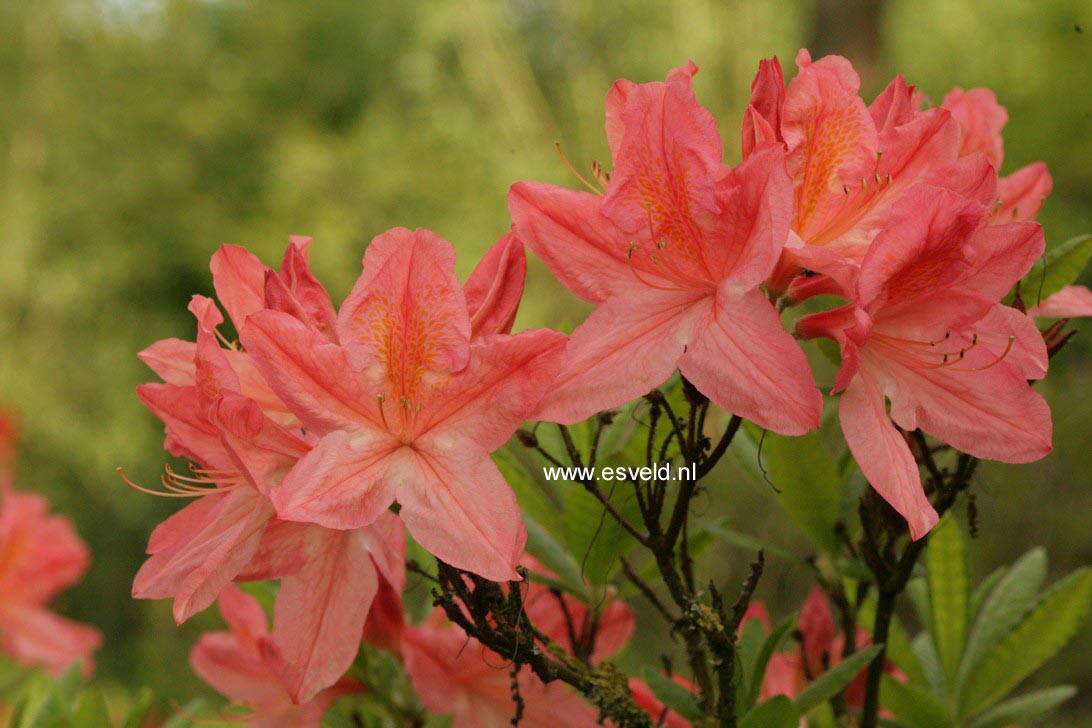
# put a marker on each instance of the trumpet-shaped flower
(40, 555)
(673, 253)
(408, 406)
(850, 162)
(456, 675)
(926, 332)
(245, 664)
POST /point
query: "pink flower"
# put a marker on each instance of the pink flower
(455, 674)
(850, 162)
(925, 331)
(40, 556)
(407, 408)
(220, 413)
(1069, 302)
(673, 254)
(245, 665)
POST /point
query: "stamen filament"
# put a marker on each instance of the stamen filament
(572, 169)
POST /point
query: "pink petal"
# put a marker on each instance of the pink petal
(189, 433)
(663, 185)
(260, 448)
(194, 571)
(647, 701)
(980, 406)
(319, 615)
(882, 453)
(742, 358)
(460, 509)
(243, 615)
(505, 380)
(40, 553)
(495, 287)
(580, 246)
(1027, 353)
(239, 674)
(1022, 193)
(626, 347)
(282, 551)
(385, 539)
(817, 627)
(239, 279)
(763, 118)
(344, 482)
(894, 106)
(304, 290)
(406, 315)
(172, 360)
(981, 119)
(34, 636)
(784, 676)
(1069, 302)
(1003, 255)
(748, 238)
(309, 374)
(615, 102)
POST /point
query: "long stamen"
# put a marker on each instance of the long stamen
(995, 362)
(233, 345)
(382, 413)
(180, 486)
(572, 169)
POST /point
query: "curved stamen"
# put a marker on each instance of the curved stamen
(995, 362)
(180, 486)
(572, 169)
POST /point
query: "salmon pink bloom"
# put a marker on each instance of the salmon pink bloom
(456, 675)
(981, 119)
(673, 254)
(850, 162)
(245, 665)
(40, 555)
(408, 407)
(925, 331)
(1069, 302)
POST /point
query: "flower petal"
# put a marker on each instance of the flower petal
(580, 246)
(981, 119)
(1069, 302)
(1022, 193)
(742, 358)
(626, 347)
(459, 507)
(34, 636)
(882, 453)
(495, 287)
(239, 279)
(318, 619)
(260, 448)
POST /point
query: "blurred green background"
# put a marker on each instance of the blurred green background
(138, 135)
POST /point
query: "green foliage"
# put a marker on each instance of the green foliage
(946, 575)
(755, 669)
(805, 475)
(671, 694)
(834, 680)
(1059, 267)
(1014, 630)
(777, 712)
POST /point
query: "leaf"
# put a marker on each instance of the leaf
(1044, 631)
(804, 472)
(671, 694)
(1006, 605)
(831, 682)
(757, 673)
(777, 712)
(749, 543)
(978, 596)
(1026, 706)
(529, 485)
(139, 710)
(90, 710)
(593, 537)
(913, 705)
(930, 664)
(1060, 266)
(946, 574)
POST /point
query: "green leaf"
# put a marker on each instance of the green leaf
(777, 712)
(749, 543)
(596, 541)
(139, 711)
(804, 472)
(978, 596)
(1060, 266)
(554, 557)
(758, 670)
(1020, 709)
(831, 682)
(913, 705)
(926, 653)
(671, 694)
(946, 574)
(519, 469)
(1006, 605)
(1044, 631)
(90, 710)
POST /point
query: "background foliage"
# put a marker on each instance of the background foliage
(138, 135)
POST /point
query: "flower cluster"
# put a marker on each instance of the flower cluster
(321, 435)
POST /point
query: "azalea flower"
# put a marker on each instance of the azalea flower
(820, 648)
(40, 556)
(673, 253)
(407, 407)
(456, 675)
(245, 664)
(850, 162)
(231, 532)
(926, 332)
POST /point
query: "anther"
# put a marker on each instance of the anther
(572, 169)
